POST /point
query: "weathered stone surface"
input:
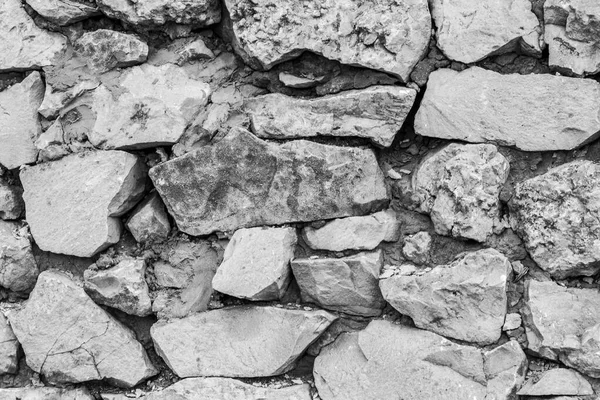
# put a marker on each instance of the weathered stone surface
(585, 354)
(256, 264)
(566, 54)
(150, 106)
(45, 393)
(20, 122)
(390, 37)
(68, 338)
(104, 50)
(72, 204)
(465, 299)
(376, 113)
(505, 368)
(348, 284)
(556, 215)
(18, 269)
(123, 287)
(557, 382)
(220, 342)
(356, 233)
(9, 347)
(417, 247)
(512, 321)
(11, 201)
(158, 12)
(536, 112)
(470, 31)
(459, 187)
(24, 45)
(63, 12)
(242, 181)
(149, 221)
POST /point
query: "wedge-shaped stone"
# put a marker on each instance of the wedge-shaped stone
(505, 368)
(104, 49)
(9, 348)
(465, 299)
(64, 12)
(11, 201)
(558, 382)
(45, 393)
(72, 204)
(68, 338)
(384, 36)
(149, 221)
(530, 112)
(376, 113)
(242, 181)
(240, 341)
(18, 269)
(158, 12)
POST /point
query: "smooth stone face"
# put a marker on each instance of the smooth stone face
(354, 233)
(390, 37)
(530, 112)
(18, 269)
(220, 342)
(256, 264)
(158, 12)
(465, 299)
(63, 12)
(470, 31)
(68, 338)
(348, 284)
(149, 221)
(104, 50)
(20, 121)
(505, 368)
(376, 113)
(9, 347)
(459, 187)
(568, 196)
(72, 204)
(513, 321)
(45, 393)
(24, 45)
(11, 201)
(242, 181)
(556, 382)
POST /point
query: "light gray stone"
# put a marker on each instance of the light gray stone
(45, 393)
(158, 12)
(535, 112)
(18, 269)
(9, 348)
(11, 201)
(149, 221)
(566, 54)
(182, 51)
(513, 321)
(505, 367)
(221, 342)
(417, 247)
(584, 354)
(104, 49)
(557, 382)
(73, 204)
(64, 12)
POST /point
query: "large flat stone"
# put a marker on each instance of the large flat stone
(242, 181)
(198, 13)
(558, 382)
(384, 36)
(531, 112)
(18, 269)
(239, 341)
(63, 12)
(9, 348)
(73, 204)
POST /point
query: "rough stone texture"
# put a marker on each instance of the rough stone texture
(41, 48)
(158, 12)
(417, 247)
(469, 31)
(557, 382)
(72, 204)
(9, 347)
(149, 221)
(465, 299)
(11, 201)
(568, 55)
(220, 342)
(63, 12)
(256, 264)
(376, 113)
(45, 393)
(242, 181)
(104, 50)
(556, 215)
(68, 338)
(354, 233)
(148, 107)
(459, 186)
(505, 368)
(384, 36)
(512, 321)
(585, 355)
(348, 284)
(18, 269)
(19, 121)
(531, 112)
(123, 287)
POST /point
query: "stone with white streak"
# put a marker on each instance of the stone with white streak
(104, 49)
(198, 13)
(9, 348)
(64, 12)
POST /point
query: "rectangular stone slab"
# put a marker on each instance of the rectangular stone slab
(243, 181)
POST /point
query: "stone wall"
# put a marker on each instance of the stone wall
(335, 200)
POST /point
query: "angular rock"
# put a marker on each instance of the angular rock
(242, 181)
(390, 37)
(11, 201)
(354, 233)
(512, 321)
(9, 348)
(348, 284)
(18, 269)
(536, 112)
(465, 299)
(20, 121)
(471, 31)
(63, 12)
(566, 54)
(459, 186)
(45, 393)
(558, 382)
(584, 354)
(417, 247)
(104, 50)
(24, 45)
(73, 204)
(256, 264)
(556, 215)
(149, 221)
(122, 287)
(68, 338)
(376, 113)
(221, 342)
(505, 368)
(198, 13)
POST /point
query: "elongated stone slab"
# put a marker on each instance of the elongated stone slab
(64, 12)
(158, 12)
(242, 181)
